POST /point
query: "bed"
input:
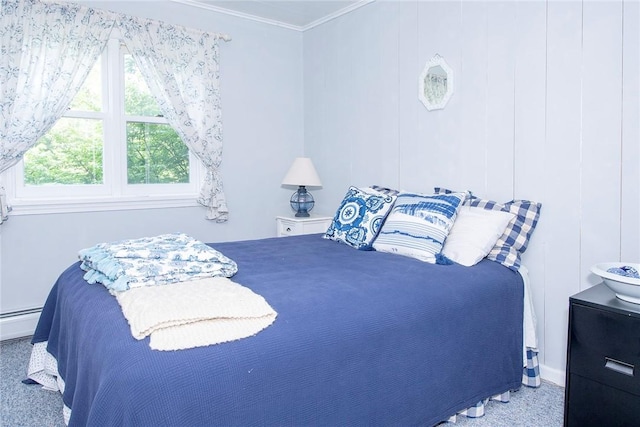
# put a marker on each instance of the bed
(362, 337)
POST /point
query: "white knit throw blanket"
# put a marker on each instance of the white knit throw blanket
(195, 313)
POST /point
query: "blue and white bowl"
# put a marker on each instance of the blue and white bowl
(626, 288)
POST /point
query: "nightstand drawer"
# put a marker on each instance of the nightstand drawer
(289, 228)
(293, 226)
(611, 407)
(605, 347)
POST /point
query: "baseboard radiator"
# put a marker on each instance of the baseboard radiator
(17, 324)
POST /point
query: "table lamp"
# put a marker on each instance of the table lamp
(303, 174)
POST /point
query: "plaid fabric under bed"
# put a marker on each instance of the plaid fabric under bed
(531, 372)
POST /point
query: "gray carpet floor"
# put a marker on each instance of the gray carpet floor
(24, 405)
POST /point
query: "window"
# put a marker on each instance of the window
(155, 153)
(113, 148)
(71, 153)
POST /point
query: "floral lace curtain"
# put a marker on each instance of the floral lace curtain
(49, 49)
(181, 68)
(47, 52)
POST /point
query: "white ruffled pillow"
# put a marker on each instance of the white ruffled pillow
(474, 233)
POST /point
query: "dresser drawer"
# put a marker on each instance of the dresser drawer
(605, 347)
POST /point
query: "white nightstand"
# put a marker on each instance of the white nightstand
(295, 226)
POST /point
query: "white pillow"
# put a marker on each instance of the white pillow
(474, 233)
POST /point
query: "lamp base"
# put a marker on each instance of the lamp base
(302, 202)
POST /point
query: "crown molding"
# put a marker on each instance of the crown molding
(336, 14)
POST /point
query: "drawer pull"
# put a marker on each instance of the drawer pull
(618, 366)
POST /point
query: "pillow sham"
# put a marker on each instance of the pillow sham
(359, 217)
(474, 233)
(385, 190)
(418, 225)
(514, 241)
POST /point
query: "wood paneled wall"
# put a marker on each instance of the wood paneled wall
(545, 107)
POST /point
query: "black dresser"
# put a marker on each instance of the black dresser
(603, 361)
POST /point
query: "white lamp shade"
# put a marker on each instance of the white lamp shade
(302, 172)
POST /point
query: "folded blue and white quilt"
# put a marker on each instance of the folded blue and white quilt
(157, 260)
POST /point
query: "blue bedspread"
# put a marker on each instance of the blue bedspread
(362, 338)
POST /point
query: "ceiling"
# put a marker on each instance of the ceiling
(294, 14)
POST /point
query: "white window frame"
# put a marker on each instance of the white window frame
(115, 193)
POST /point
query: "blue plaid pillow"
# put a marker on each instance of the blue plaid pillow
(359, 218)
(513, 242)
(418, 225)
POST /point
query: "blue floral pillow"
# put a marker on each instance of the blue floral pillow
(418, 225)
(359, 218)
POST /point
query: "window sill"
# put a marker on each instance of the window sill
(100, 204)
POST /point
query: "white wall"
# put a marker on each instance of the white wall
(545, 108)
(262, 101)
